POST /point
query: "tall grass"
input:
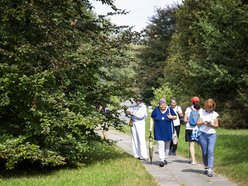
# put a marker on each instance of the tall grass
(107, 165)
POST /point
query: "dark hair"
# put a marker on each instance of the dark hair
(197, 107)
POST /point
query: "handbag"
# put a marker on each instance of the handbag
(195, 134)
(174, 138)
(130, 123)
(174, 133)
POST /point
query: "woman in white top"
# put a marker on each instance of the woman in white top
(208, 122)
(178, 110)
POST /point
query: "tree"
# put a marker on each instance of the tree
(154, 52)
(58, 62)
(209, 54)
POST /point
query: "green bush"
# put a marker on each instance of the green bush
(58, 62)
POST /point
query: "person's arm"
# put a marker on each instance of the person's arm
(180, 112)
(200, 121)
(151, 124)
(172, 115)
(127, 112)
(186, 119)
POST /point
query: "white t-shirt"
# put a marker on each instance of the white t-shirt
(208, 116)
(187, 113)
(177, 110)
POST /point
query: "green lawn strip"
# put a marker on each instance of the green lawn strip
(110, 166)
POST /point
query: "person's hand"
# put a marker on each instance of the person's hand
(169, 116)
(150, 129)
(128, 112)
(208, 123)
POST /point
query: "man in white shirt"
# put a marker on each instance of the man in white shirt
(138, 114)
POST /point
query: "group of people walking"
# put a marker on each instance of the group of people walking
(166, 119)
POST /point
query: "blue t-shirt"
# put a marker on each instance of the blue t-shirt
(162, 124)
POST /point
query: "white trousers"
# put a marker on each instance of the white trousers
(163, 149)
(139, 140)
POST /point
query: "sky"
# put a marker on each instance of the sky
(140, 11)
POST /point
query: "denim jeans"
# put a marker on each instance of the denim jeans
(207, 142)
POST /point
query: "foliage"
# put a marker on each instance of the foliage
(163, 92)
(58, 63)
(208, 55)
(154, 52)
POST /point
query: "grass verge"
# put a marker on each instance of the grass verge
(107, 165)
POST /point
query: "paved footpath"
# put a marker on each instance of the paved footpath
(178, 172)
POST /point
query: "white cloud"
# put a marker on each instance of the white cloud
(140, 11)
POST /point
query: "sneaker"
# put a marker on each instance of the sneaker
(206, 171)
(161, 164)
(165, 162)
(210, 173)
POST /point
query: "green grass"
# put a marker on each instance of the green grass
(106, 166)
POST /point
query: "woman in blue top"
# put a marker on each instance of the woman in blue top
(161, 120)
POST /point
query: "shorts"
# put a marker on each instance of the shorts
(188, 134)
(105, 126)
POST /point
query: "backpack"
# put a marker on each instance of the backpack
(193, 117)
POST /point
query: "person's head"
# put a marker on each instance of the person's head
(195, 100)
(209, 105)
(162, 104)
(138, 100)
(173, 102)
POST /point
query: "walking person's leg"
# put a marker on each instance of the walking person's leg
(204, 147)
(135, 144)
(166, 150)
(161, 152)
(105, 130)
(192, 152)
(211, 144)
(188, 139)
(171, 148)
(142, 140)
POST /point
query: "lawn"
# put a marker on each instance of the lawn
(108, 166)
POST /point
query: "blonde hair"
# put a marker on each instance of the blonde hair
(209, 103)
